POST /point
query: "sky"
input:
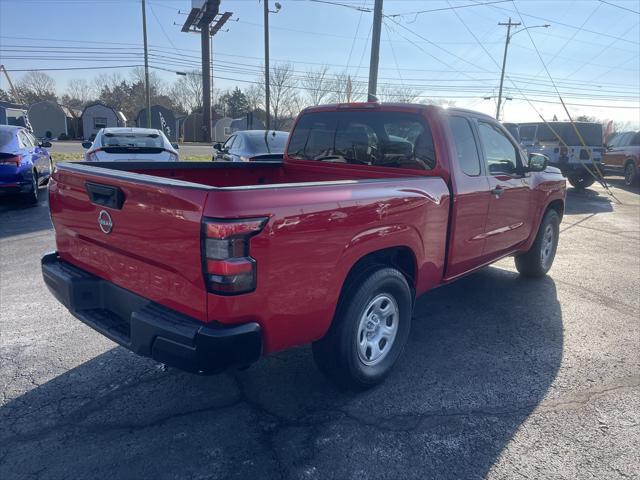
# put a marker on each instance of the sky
(591, 50)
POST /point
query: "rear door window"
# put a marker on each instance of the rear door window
(465, 145)
(377, 138)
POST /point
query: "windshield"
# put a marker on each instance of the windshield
(132, 140)
(527, 132)
(591, 133)
(274, 144)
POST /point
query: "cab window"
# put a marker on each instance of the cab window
(501, 155)
(465, 145)
(376, 138)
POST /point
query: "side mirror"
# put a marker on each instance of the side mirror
(45, 144)
(537, 162)
(86, 145)
(217, 146)
(176, 146)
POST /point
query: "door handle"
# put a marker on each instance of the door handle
(497, 191)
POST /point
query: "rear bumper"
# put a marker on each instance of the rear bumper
(147, 328)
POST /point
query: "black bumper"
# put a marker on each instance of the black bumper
(147, 328)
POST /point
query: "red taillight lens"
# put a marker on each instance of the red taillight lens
(12, 160)
(228, 268)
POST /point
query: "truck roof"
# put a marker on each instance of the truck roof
(390, 106)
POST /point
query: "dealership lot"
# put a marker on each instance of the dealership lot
(502, 378)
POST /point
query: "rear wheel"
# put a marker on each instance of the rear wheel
(369, 331)
(538, 260)
(31, 196)
(580, 181)
(630, 174)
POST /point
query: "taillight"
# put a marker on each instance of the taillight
(12, 160)
(92, 156)
(228, 267)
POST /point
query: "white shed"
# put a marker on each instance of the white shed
(99, 115)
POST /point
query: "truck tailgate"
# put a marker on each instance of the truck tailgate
(138, 232)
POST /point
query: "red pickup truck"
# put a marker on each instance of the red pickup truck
(204, 266)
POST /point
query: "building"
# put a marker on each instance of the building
(50, 120)
(222, 129)
(97, 116)
(13, 114)
(161, 119)
(192, 128)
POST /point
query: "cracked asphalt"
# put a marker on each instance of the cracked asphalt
(502, 378)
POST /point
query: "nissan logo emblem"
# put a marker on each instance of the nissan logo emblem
(104, 221)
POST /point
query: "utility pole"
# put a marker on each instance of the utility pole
(509, 24)
(147, 88)
(375, 50)
(206, 83)
(267, 108)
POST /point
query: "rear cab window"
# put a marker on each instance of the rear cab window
(375, 138)
(465, 145)
(115, 142)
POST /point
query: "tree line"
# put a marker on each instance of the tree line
(290, 91)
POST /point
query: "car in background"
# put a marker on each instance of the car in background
(252, 146)
(124, 144)
(622, 155)
(512, 128)
(25, 164)
(562, 142)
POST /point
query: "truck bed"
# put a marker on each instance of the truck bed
(240, 175)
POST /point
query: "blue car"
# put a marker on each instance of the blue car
(25, 164)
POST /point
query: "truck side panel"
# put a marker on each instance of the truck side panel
(313, 238)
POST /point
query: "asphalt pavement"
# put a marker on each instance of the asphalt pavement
(502, 378)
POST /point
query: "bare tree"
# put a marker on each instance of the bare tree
(36, 86)
(78, 93)
(255, 96)
(107, 81)
(156, 84)
(284, 97)
(344, 89)
(187, 91)
(317, 85)
(398, 93)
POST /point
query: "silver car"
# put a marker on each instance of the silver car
(125, 144)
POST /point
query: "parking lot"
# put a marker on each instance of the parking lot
(73, 150)
(502, 378)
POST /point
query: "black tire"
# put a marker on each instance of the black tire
(581, 181)
(31, 197)
(339, 354)
(630, 174)
(539, 259)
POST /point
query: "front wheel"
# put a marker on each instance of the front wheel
(581, 181)
(630, 174)
(538, 260)
(369, 330)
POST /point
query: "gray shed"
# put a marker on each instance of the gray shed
(161, 119)
(222, 129)
(97, 116)
(192, 128)
(50, 120)
(13, 114)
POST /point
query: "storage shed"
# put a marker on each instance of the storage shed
(222, 129)
(48, 119)
(97, 116)
(192, 128)
(162, 119)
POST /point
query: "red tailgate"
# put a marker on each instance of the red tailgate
(153, 246)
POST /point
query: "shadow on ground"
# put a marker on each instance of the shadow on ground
(482, 354)
(18, 217)
(587, 201)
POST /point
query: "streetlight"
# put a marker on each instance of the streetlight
(266, 58)
(510, 35)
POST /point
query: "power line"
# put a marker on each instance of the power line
(620, 6)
